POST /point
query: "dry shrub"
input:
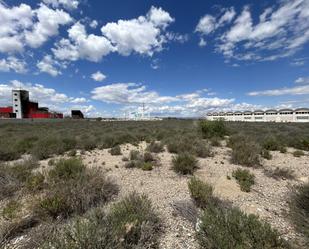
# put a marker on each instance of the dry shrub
(155, 147)
(115, 151)
(244, 151)
(184, 164)
(201, 192)
(231, 228)
(299, 209)
(131, 223)
(279, 173)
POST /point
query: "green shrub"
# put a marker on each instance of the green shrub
(298, 153)
(244, 179)
(49, 146)
(231, 228)
(155, 147)
(211, 129)
(266, 154)
(201, 192)
(271, 143)
(299, 209)
(76, 194)
(245, 152)
(14, 177)
(35, 182)
(54, 206)
(131, 223)
(135, 222)
(115, 151)
(11, 209)
(147, 166)
(66, 169)
(184, 163)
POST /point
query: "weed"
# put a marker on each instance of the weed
(280, 173)
(11, 209)
(244, 179)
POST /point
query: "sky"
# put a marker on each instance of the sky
(179, 58)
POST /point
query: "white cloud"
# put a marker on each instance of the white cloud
(79, 100)
(68, 4)
(143, 35)
(45, 96)
(298, 90)
(133, 95)
(47, 26)
(93, 24)
(279, 32)
(302, 80)
(128, 93)
(202, 42)
(209, 23)
(47, 65)
(98, 76)
(23, 26)
(13, 64)
(82, 45)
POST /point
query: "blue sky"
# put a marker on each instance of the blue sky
(180, 58)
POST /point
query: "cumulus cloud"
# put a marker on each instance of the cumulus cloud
(68, 4)
(82, 46)
(279, 32)
(98, 76)
(23, 26)
(93, 24)
(47, 26)
(48, 65)
(142, 35)
(128, 93)
(13, 64)
(133, 95)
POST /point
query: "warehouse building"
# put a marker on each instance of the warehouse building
(272, 115)
(24, 108)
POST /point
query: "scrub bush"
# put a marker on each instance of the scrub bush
(155, 147)
(211, 129)
(184, 164)
(115, 151)
(299, 209)
(229, 228)
(244, 179)
(201, 192)
(298, 153)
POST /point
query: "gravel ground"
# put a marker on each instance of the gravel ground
(267, 199)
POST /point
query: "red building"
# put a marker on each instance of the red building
(24, 108)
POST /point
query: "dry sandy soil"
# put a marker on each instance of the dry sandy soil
(268, 197)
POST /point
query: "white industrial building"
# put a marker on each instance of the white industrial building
(272, 115)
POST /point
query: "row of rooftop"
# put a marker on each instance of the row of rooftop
(261, 112)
